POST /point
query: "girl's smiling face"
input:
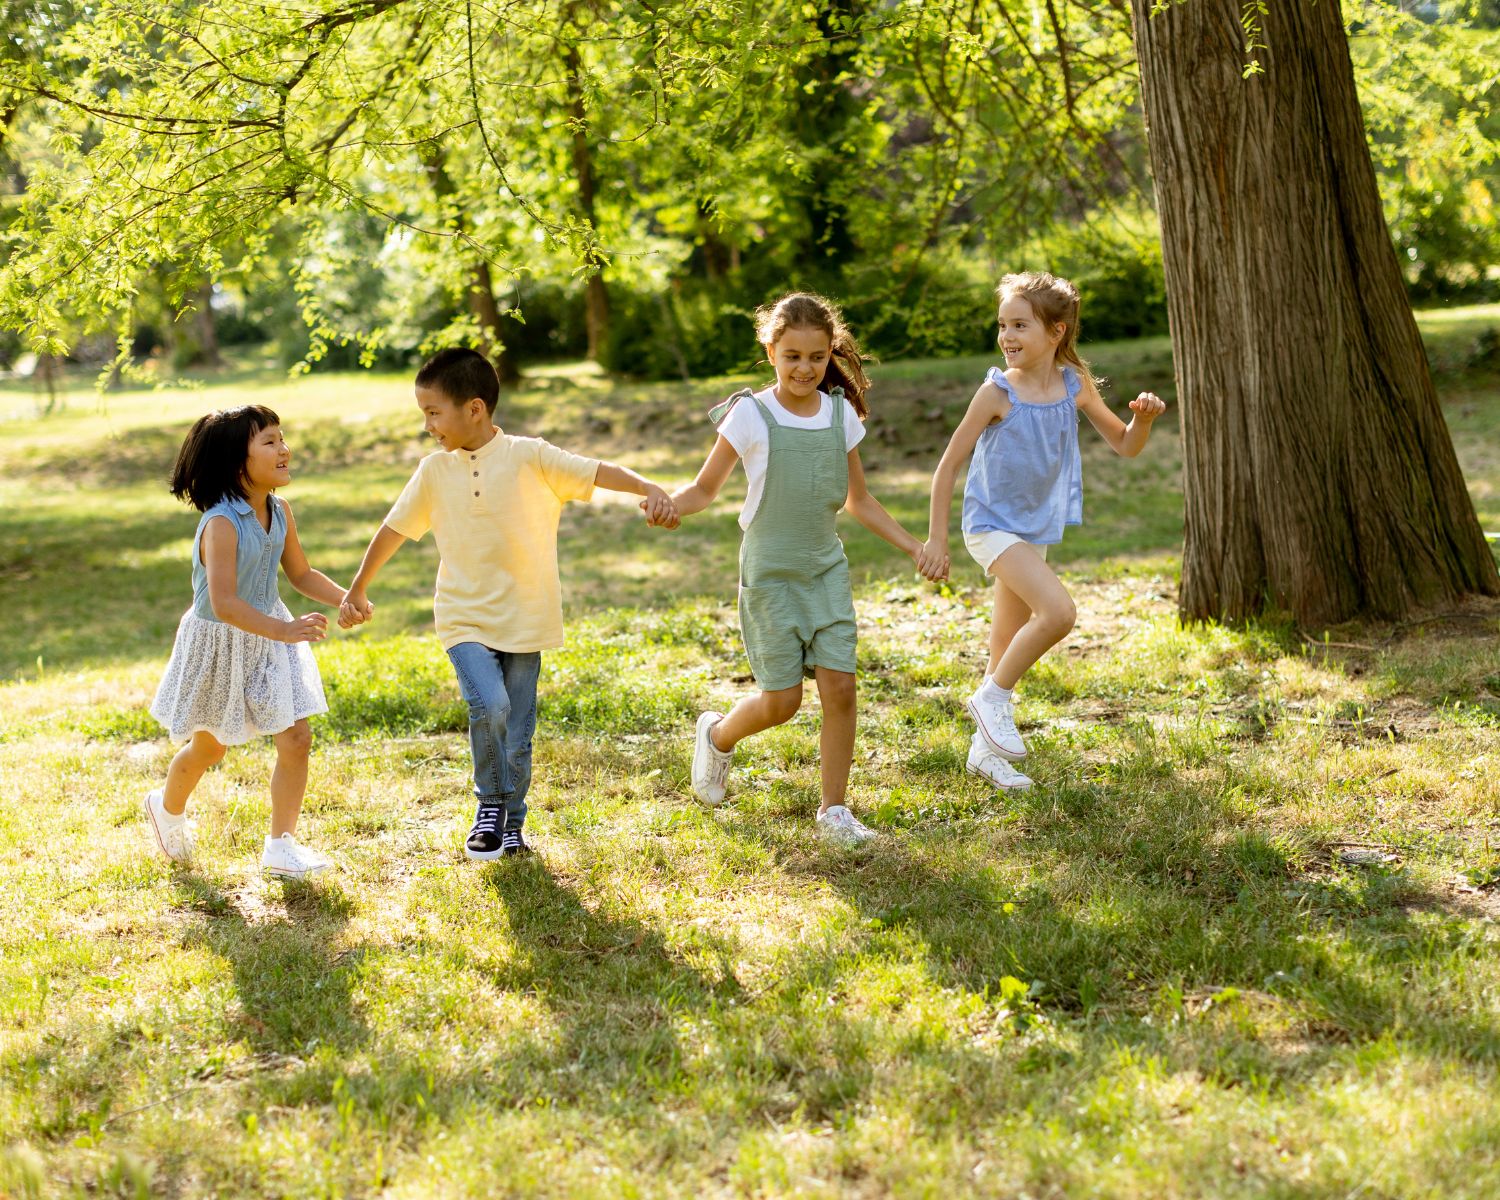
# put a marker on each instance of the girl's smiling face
(1024, 337)
(268, 460)
(800, 357)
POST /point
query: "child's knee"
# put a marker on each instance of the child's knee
(782, 706)
(295, 740)
(837, 690)
(1060, 618)
(490, 715)
(207, 750)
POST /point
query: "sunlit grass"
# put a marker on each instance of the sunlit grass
(1153, 975)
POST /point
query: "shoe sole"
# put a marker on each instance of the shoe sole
(1007, 755)
(482, 855)
(283, 873)
(1004, 787)
(156, 833)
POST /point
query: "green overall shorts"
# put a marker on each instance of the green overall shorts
(796, 606)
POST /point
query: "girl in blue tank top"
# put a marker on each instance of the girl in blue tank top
(241, 666)
(1025, 485)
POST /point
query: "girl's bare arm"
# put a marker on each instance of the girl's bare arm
(313, 584)
(988, 405)
(1125, 440)
(699, 494)
(218, 546)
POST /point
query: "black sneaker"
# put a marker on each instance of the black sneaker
(512, 842)
(486, 838)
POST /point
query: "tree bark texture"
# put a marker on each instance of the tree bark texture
(1320, 477)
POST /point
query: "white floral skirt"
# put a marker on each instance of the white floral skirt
(235, 685)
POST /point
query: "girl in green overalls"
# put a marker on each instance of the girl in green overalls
(799, 447)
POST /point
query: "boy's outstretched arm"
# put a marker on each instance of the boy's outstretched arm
(657, 505)
(356, 607)
(699, 494)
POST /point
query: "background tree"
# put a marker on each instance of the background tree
(1320, 477)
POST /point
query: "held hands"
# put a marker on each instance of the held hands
(355, 610)
(1148, 406)
(932, 560)
(659, 508)
(311, 628)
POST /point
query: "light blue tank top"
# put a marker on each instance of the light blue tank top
(257, 556)
(1026, 475)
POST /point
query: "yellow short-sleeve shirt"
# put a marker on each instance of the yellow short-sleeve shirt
(494, 512)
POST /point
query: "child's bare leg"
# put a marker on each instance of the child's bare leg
(1011, 614)
(836, 692)
(764, 710)
(202, 751)
(289, 779)
(1026, 573)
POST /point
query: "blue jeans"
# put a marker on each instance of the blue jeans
(500, 690)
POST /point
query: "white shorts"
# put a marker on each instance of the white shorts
(987, 547)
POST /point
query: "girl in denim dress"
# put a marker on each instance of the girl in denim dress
(799, 446)
(241, 667)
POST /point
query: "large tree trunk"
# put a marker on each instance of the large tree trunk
(596, 292)
(1319, 474)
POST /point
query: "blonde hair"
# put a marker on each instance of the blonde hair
(806, 310)
(1054, 301)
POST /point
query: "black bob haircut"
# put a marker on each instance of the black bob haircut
(461, 375)
(211, 463)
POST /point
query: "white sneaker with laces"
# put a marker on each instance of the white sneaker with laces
(996, 720)
(838, 824)
(285, 857)
(985, 763)
(710, 764)
(172, 834)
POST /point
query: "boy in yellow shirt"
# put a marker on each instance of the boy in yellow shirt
(493, 502)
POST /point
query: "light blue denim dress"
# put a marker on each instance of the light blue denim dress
(226, 681)
(1026, 474)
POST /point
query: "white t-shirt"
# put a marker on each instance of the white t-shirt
(745, 430)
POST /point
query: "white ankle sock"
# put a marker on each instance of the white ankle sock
(993, 691)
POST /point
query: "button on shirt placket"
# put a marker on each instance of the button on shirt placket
(477, 504)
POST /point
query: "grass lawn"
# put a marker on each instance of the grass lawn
(1157, 974)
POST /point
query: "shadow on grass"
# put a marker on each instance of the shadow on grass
(1125, 907)
(295, 992)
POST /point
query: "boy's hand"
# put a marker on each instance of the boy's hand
(659, 508)
(1148, 406)
(356, 609)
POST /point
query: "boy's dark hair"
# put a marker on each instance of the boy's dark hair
(211, 463)
(461, 374)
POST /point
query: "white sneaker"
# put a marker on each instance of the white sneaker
(710, 764)
(838, 824)
(985, 763)
(997, 723)
(283, 856)
(173, 834)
